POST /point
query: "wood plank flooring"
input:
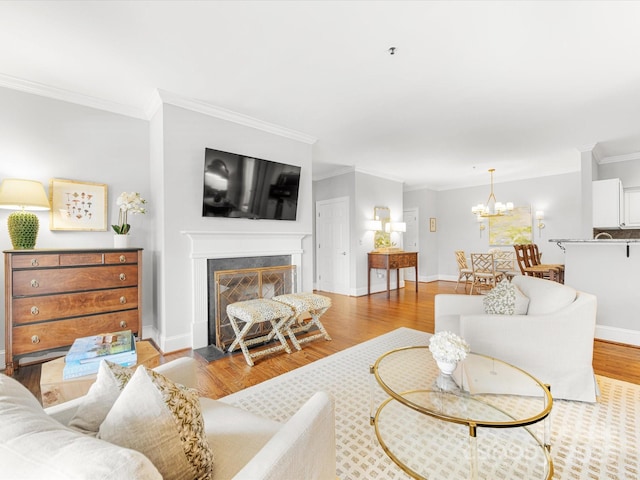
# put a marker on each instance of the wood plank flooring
(352, 320)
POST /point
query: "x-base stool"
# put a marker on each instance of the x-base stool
(256, 311)
(313, 303)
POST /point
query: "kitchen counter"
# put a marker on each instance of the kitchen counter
(610, 272)
(592, 240)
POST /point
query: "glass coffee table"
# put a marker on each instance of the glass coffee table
(487, 420)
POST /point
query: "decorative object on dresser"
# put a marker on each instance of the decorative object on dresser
(53, 297)
(23, 195)
(392, 261)
(127, 203)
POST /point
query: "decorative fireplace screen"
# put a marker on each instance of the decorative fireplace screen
(247, 284)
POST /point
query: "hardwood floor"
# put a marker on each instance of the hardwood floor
(352, 320)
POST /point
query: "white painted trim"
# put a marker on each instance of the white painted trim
(618, 335)
(379, 175)
(230, 116)
(620, 158)
(43, 90)
(335, 173)
(206, 245)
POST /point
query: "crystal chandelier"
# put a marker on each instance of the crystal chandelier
(492, 208)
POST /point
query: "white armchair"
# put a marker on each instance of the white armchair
(553, 341)
(35, 443)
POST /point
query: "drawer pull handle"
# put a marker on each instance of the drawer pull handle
(34, 262)
(34, 311)
(35, 339)
(123, 300)
(123, 324)
(123, 259)
(34, 283)
(123, 277)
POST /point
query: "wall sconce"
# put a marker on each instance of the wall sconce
(539, 218)
(481, 224)
(23, 195)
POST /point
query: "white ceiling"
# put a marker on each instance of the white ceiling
(516, 86)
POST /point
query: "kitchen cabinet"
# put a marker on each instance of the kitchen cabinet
(608, 203)
(632, 207)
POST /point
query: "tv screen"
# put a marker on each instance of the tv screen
(246, 187)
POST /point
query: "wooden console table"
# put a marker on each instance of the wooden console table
(391, 261)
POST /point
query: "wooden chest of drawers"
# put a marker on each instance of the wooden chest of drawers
(53, 297)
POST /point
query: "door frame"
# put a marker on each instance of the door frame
(345, 200)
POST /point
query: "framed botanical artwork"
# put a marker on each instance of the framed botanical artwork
(77, 205)
(432, 224)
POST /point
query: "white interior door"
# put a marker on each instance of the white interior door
(332, 245)
(410, 238)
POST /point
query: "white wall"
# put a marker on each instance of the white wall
(365, 192)
(370, 192)
(628, 172)
(426, 201)
(44, 138)
(185, 135)
(559, 196)
(343, 185)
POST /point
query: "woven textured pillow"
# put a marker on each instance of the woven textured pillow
(110, 381)
(505, 299)
(162, 420)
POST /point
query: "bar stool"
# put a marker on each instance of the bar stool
(255, 311)
(313, 303)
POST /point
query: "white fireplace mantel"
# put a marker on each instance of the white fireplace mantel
(206, 245)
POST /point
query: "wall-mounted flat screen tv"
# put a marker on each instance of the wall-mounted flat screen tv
(237, 186)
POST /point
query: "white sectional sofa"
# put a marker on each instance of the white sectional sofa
(37, 444)
(552, 339)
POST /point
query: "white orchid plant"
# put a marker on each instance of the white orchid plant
(128, 203)
(448, 347)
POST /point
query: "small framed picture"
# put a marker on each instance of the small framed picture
(77, 205)
(432, 224)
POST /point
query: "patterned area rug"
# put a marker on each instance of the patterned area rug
(589, 441)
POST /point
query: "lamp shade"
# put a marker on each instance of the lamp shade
(16, 194)
(23, 195)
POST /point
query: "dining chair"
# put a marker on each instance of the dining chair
(484, 271)
(505, 261)
(556, 270)
(529, 263)
(464, 272)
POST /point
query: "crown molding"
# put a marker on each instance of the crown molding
(379, 175)
(620, 158)
(230, 116)
(333, 173)
(56, 93)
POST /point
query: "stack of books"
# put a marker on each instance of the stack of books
(86, 353)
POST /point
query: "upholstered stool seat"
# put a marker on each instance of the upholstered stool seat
(255, 311)
(313, 303)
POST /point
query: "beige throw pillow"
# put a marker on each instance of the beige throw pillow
(162, 420)
(505, 299)
(95, 405)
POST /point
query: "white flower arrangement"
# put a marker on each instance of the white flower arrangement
(448, 347)
(128, 202)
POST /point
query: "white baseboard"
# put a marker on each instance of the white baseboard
(618, 335)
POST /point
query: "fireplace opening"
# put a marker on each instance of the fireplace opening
(233, 280)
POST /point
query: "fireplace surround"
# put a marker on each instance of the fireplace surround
(207, 245)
